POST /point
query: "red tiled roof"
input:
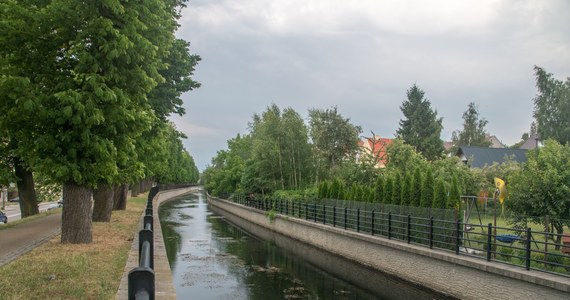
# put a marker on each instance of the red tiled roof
(377, 146)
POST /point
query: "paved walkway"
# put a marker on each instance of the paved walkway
(21, 239)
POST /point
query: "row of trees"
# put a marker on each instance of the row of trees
(415, 190)
(319, 159)
(86, 90)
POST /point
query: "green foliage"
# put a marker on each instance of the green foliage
(335, 190)
(473, 132)
(404, 158)
(440, 195)
(324, 190)
(552, 107)
(334, 139)
(397, 189)
(225, 174)
(406, 198)
(427, 189)
(543, 187)
(388, 189)
(416, 190)
(420, 128)
(454, 194)
(379, 189)
(280, 157)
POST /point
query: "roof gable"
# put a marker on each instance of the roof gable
(481, 156)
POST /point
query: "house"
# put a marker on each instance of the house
(530, 143)
(495, 142)
(377, 147)
(478, 157)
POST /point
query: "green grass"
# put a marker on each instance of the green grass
(92, 271)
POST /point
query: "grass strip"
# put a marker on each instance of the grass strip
(93, 271)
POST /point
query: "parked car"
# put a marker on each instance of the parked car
(53, 206)
(17, 199)
(3, 217)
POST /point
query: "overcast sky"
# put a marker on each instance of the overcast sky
(362, 56)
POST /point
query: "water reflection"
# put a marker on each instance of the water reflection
(211, 258)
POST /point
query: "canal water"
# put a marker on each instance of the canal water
(211, 258)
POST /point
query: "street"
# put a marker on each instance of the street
(13, 209)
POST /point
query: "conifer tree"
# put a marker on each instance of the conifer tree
(454, 194)
(440, 195)
(416, 192)
(421, 128)
(406, 190)
(388, 189)
(397, 189)
(379, 190)
(427, 189)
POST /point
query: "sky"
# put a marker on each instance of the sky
(362, 56)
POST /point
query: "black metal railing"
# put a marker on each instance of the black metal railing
(141, 278)
(493, 243)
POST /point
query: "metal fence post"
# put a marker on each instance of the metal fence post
(431, 232)
(334, 216)
(457, 236)
(489, 235)
(409, 228)
(527, 250)
(324, 214)
(345, 215)
(390, 225)
(372, 223)
(315, 212)
(358, 220)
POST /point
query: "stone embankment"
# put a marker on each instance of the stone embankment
(458, 276)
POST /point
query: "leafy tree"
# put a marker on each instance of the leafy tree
(280, 149)
(440, 195)
(473, 132)
(552, 107)
(82, 91)
(427, 189)
(542, 189)
(225, 174)
(416, 191)
(420, 128)
(403, 158)
(334, 139)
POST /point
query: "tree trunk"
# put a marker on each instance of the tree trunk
(26, 190)
(103, 203)
(135, 191)
(76, 224)
(120, 197)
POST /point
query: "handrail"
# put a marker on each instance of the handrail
(141, 278)
(479, 241)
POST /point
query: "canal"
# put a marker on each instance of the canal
(211, 258)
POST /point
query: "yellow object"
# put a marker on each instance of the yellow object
(500, 185)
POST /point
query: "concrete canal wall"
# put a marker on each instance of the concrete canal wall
(454, 275)
(164, 286)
